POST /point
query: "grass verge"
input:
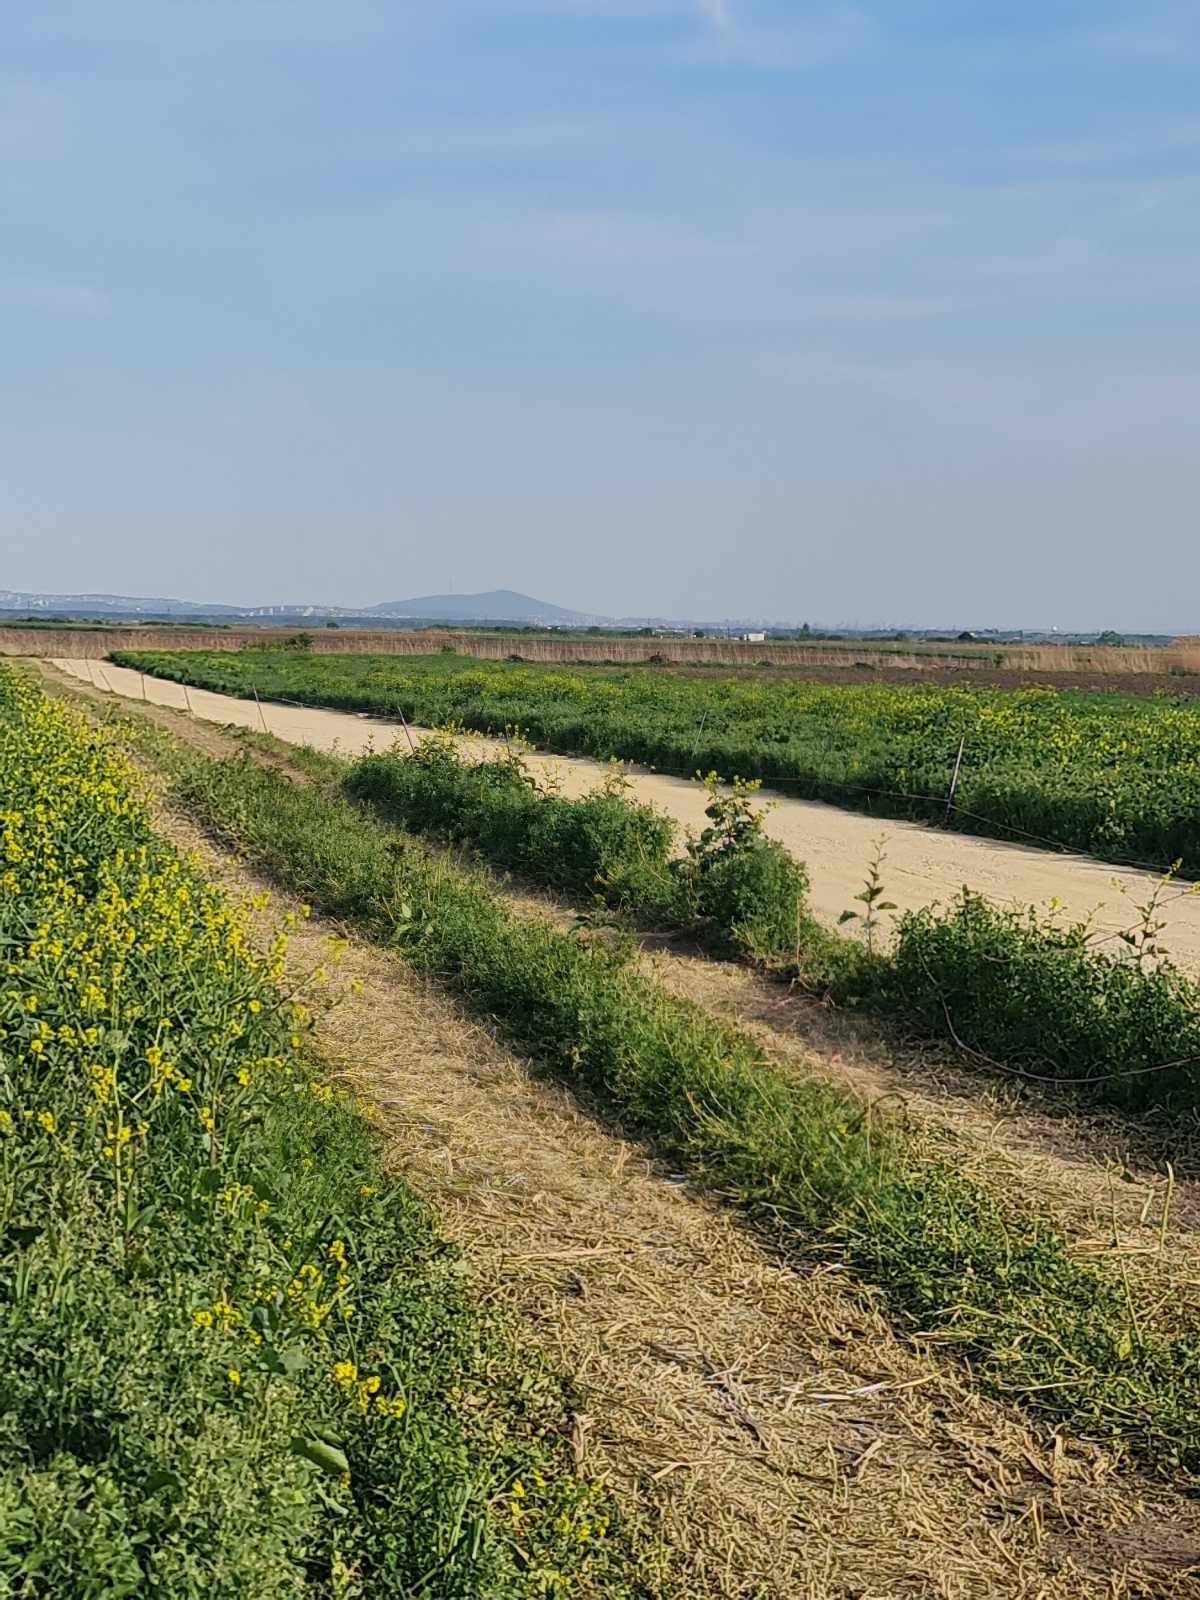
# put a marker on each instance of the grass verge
(1027, 995)
(813, 1167)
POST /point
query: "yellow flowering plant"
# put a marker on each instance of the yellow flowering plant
(174, 1289)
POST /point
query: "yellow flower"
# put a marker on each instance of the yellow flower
(202, 1319)
(46, 1119)
(234, 1377)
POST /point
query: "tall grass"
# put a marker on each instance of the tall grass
(732, 884)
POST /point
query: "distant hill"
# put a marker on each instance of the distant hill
(123, 605)
(496, 605)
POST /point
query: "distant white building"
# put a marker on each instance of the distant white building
(753, 638)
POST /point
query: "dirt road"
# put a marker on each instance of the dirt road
(921, 864)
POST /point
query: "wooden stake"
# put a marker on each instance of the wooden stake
(258, 703)
(187, 699)
(404, 725)
(954, 779)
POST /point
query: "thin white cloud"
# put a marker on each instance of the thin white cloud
(1143, 44)
(868, 308)
(718, 13)
(1068, 408)
(818, 39)
(1150, 33)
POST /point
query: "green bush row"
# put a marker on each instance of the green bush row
(1042, 999)
(814, 1167)
(735, 885)
(228, 1342)
(1028, 994)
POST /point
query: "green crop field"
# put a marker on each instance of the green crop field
(1114, 775)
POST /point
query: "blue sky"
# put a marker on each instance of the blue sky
(879, 312)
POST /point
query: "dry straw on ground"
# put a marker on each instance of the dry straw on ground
(782, 1440)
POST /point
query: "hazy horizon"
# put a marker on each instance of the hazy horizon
(645, 307)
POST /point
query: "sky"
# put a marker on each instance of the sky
(879, 313)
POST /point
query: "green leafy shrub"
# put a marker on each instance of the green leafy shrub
(1041, 998)
(746, 885)
(601, 843)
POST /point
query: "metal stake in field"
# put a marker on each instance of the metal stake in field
(954, 779)
(187, 699)
(258, 703)
(404, 725)
(144, 695)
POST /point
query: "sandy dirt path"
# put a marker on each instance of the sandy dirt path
(921, 864)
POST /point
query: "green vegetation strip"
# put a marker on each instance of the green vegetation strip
(1034, 997)
(235, 1358)
(815, 1168)
(732, 884)
(1113, 775)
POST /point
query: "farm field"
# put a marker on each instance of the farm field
(1111, 775)
(770, 1424)
(836, 845)
(704, 1093)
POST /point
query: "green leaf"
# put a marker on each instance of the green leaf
(848, 916)
(326, 1456)
(163, 1479)
(287, 1362)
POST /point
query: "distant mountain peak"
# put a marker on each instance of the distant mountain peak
(494, 605)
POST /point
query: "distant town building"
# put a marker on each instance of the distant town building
(753, 638)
